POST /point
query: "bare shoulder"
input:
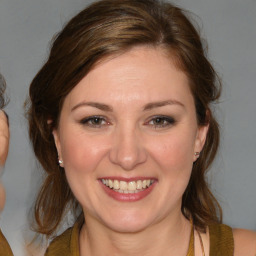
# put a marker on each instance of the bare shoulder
(245, 242)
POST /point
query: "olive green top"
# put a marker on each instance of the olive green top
(221, 242)
(5, 249)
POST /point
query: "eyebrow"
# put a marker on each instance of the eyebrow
(147, 107)
(152, 105)
(100, 106)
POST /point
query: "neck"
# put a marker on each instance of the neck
(168, 237)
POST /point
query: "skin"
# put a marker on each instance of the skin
(127, 141)
(245, 242)
(4, 142)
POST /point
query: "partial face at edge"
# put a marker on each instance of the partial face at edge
(4, 145)
(131, 119)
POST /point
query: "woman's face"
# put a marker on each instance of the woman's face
(127, 137)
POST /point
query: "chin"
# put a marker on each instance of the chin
(128, 223)
(127, 227)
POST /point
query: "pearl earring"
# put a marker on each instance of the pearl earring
(60, 162)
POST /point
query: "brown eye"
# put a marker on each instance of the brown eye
(94, 121)
(159, 121)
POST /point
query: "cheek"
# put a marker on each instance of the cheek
(174, 157)
(173, 160)
(176, 164)
(81, 156)
(82, 153)
(174, 151)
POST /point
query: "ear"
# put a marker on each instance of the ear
(200, 139)
(56, 137)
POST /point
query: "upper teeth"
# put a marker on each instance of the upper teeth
(130, 186)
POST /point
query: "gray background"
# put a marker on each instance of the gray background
(27, 26)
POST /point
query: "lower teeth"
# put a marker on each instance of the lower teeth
(127, 191)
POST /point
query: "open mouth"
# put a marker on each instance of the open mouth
(129, 187)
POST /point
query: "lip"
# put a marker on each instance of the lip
(128, 197)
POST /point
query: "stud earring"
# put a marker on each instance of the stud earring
(60, 163)
(197, 154)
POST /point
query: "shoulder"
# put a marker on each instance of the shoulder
(60, 244)
(245, 242)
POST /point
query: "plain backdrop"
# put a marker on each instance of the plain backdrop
(26, 28)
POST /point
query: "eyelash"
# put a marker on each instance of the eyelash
(88, 121)
(168, 121)
(163, 121)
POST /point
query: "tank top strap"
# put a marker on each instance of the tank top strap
(191, 241)
(221, 240)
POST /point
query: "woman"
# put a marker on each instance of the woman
(120, 120)
(4, 145)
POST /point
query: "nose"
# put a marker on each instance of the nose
(127, 149)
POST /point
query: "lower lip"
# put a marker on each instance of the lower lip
(128, 197)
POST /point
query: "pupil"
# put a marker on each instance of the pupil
(96, 120)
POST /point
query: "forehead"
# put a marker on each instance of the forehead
(140, 73)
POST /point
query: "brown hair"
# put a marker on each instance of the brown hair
(3, 100)
(112, 27)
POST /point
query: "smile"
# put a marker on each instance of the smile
(130, 187)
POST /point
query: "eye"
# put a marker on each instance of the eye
(94, 121)
(161, 121)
